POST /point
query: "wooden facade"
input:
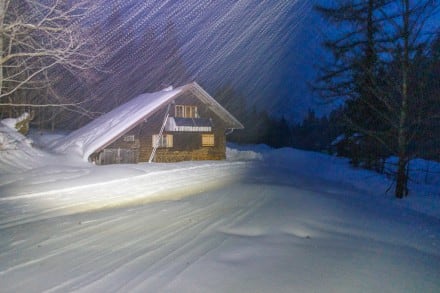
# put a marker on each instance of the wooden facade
(192, 131)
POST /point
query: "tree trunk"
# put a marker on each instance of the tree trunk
(2, 17)
(402, 179)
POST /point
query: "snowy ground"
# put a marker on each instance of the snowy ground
(263, 221)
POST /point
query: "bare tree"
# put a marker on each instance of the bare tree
(39, 40)
(409, 35)
(374, 65)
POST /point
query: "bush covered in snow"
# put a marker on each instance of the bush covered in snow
(12, 130)
(21, 123)
(233, 154)
(10, 139)
(16, 151)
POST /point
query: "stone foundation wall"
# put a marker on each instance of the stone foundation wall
(168, 156)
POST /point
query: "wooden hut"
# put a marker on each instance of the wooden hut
(173, 125)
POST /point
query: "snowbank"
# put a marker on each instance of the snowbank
(42, 171)
(100, 131)
(244, 155)
(12, 122)
(281, 221)
(16, 151)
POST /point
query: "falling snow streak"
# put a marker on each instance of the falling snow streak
(146, 45)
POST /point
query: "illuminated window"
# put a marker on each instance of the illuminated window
(184, 111)
(179, 110)
(207, 140)
(164, 141)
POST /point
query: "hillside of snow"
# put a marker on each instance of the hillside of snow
(264, 220)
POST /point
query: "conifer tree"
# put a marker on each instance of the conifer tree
(354, 72)
(372, 65)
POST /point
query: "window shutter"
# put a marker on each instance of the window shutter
(169, 140)
(208, 139)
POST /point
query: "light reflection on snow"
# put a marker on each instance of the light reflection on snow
(291, 223)
(111, 186)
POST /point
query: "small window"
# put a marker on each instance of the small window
(180, 111)
(129, 138)
(164, 141)
(185, 111)
(207, 140)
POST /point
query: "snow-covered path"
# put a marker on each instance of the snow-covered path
(259, 230)
(116, 248)
(67, 196)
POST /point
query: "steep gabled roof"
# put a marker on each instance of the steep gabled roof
(107, 128)
(213, 105)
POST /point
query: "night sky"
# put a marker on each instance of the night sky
(266, 50)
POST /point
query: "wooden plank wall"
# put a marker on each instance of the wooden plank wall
(187, 145)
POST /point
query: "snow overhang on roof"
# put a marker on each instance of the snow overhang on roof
(107, 128)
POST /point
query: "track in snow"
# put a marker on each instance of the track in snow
(265, 231)
(121, 249)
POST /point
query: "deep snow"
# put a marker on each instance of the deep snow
(265, 220)
(100, 131)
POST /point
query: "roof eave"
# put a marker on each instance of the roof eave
(230, 121)
(132, 126)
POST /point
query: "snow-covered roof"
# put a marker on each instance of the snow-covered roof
(103, 130)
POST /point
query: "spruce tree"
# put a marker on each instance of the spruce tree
(373, 63)
(354, 75)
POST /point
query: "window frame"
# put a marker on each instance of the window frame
(179, 111)
(208, 139)
(166, 141)
(186, 111)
